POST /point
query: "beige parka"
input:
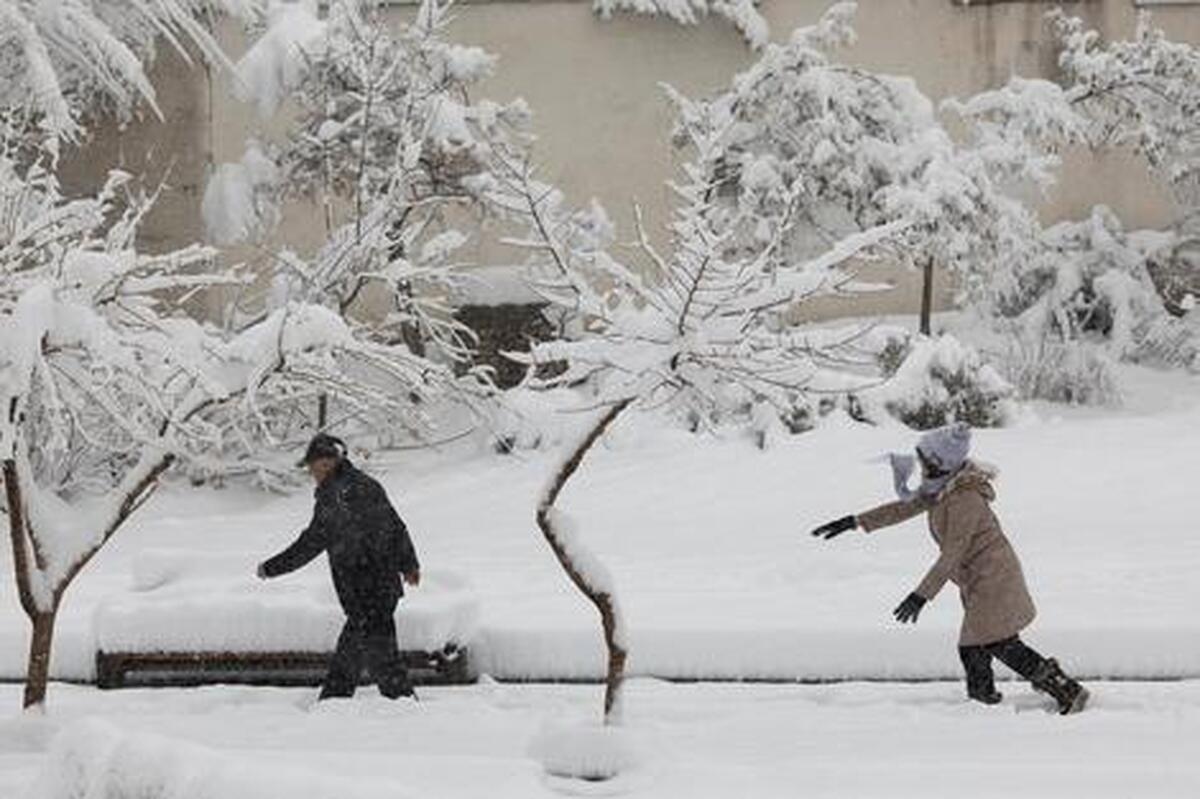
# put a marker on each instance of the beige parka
(975, 555)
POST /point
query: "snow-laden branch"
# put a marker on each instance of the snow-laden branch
(742, 14)
(64, 55)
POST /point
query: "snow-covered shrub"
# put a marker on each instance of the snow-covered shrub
(939, 381)
(1073, 373)
(1090, 282)
(534, 419)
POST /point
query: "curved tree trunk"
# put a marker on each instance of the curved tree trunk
(37, 668)
(599, 596)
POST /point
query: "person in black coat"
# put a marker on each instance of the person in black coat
(370, 556)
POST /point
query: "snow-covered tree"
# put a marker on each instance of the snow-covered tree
(868, 149)
(71, 58)
(704, 334)
(384, 134)
(385, 139)
(357, 378)
(101, 376)
(742, 14)
(1142, 93)
(1079, 296)
(106, 380)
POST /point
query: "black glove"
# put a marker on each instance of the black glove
(909, 609)
(835, 528)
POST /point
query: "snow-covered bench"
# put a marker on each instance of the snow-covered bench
(196, 617)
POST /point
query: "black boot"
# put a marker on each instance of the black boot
(1069, 694)
(981, 682)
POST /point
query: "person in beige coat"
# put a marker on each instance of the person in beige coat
(956, 495)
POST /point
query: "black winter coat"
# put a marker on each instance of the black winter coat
(366, 541)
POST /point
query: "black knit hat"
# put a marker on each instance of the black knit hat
(323, 445)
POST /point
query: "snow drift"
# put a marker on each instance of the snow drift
(94, 759)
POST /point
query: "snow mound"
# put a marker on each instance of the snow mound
(588, 752)
(96, 760)
(187, 601)
(940, 381)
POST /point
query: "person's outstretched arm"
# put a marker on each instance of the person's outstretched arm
(892, 513)
(311, 542)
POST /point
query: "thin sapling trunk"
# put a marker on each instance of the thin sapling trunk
(587, 574)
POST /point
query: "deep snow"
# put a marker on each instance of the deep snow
(691, 741)
(708, 543)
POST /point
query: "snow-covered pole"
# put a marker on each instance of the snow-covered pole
(586, 573)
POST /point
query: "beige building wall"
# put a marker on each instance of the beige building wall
(602, 120)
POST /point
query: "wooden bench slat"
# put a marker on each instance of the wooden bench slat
(449, 666)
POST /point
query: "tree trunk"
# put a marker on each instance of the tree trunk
(37, 669)
(927, 298)
(604, 601)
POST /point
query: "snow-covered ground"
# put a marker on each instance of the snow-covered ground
(692, 742)
(708, 541)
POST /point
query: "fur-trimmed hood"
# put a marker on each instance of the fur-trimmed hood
(973, 476)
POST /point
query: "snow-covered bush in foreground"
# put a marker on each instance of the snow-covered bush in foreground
(938, 381)
(94, 759)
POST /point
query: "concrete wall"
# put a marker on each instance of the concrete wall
(602, 120)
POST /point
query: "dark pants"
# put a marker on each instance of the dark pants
(368, 639)
(1012, 652)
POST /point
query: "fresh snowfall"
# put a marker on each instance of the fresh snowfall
(489, 494)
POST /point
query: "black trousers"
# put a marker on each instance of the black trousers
(1012, 652)
(368, 639)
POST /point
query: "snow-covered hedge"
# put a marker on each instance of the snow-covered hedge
(96, 760)
(936, 381)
